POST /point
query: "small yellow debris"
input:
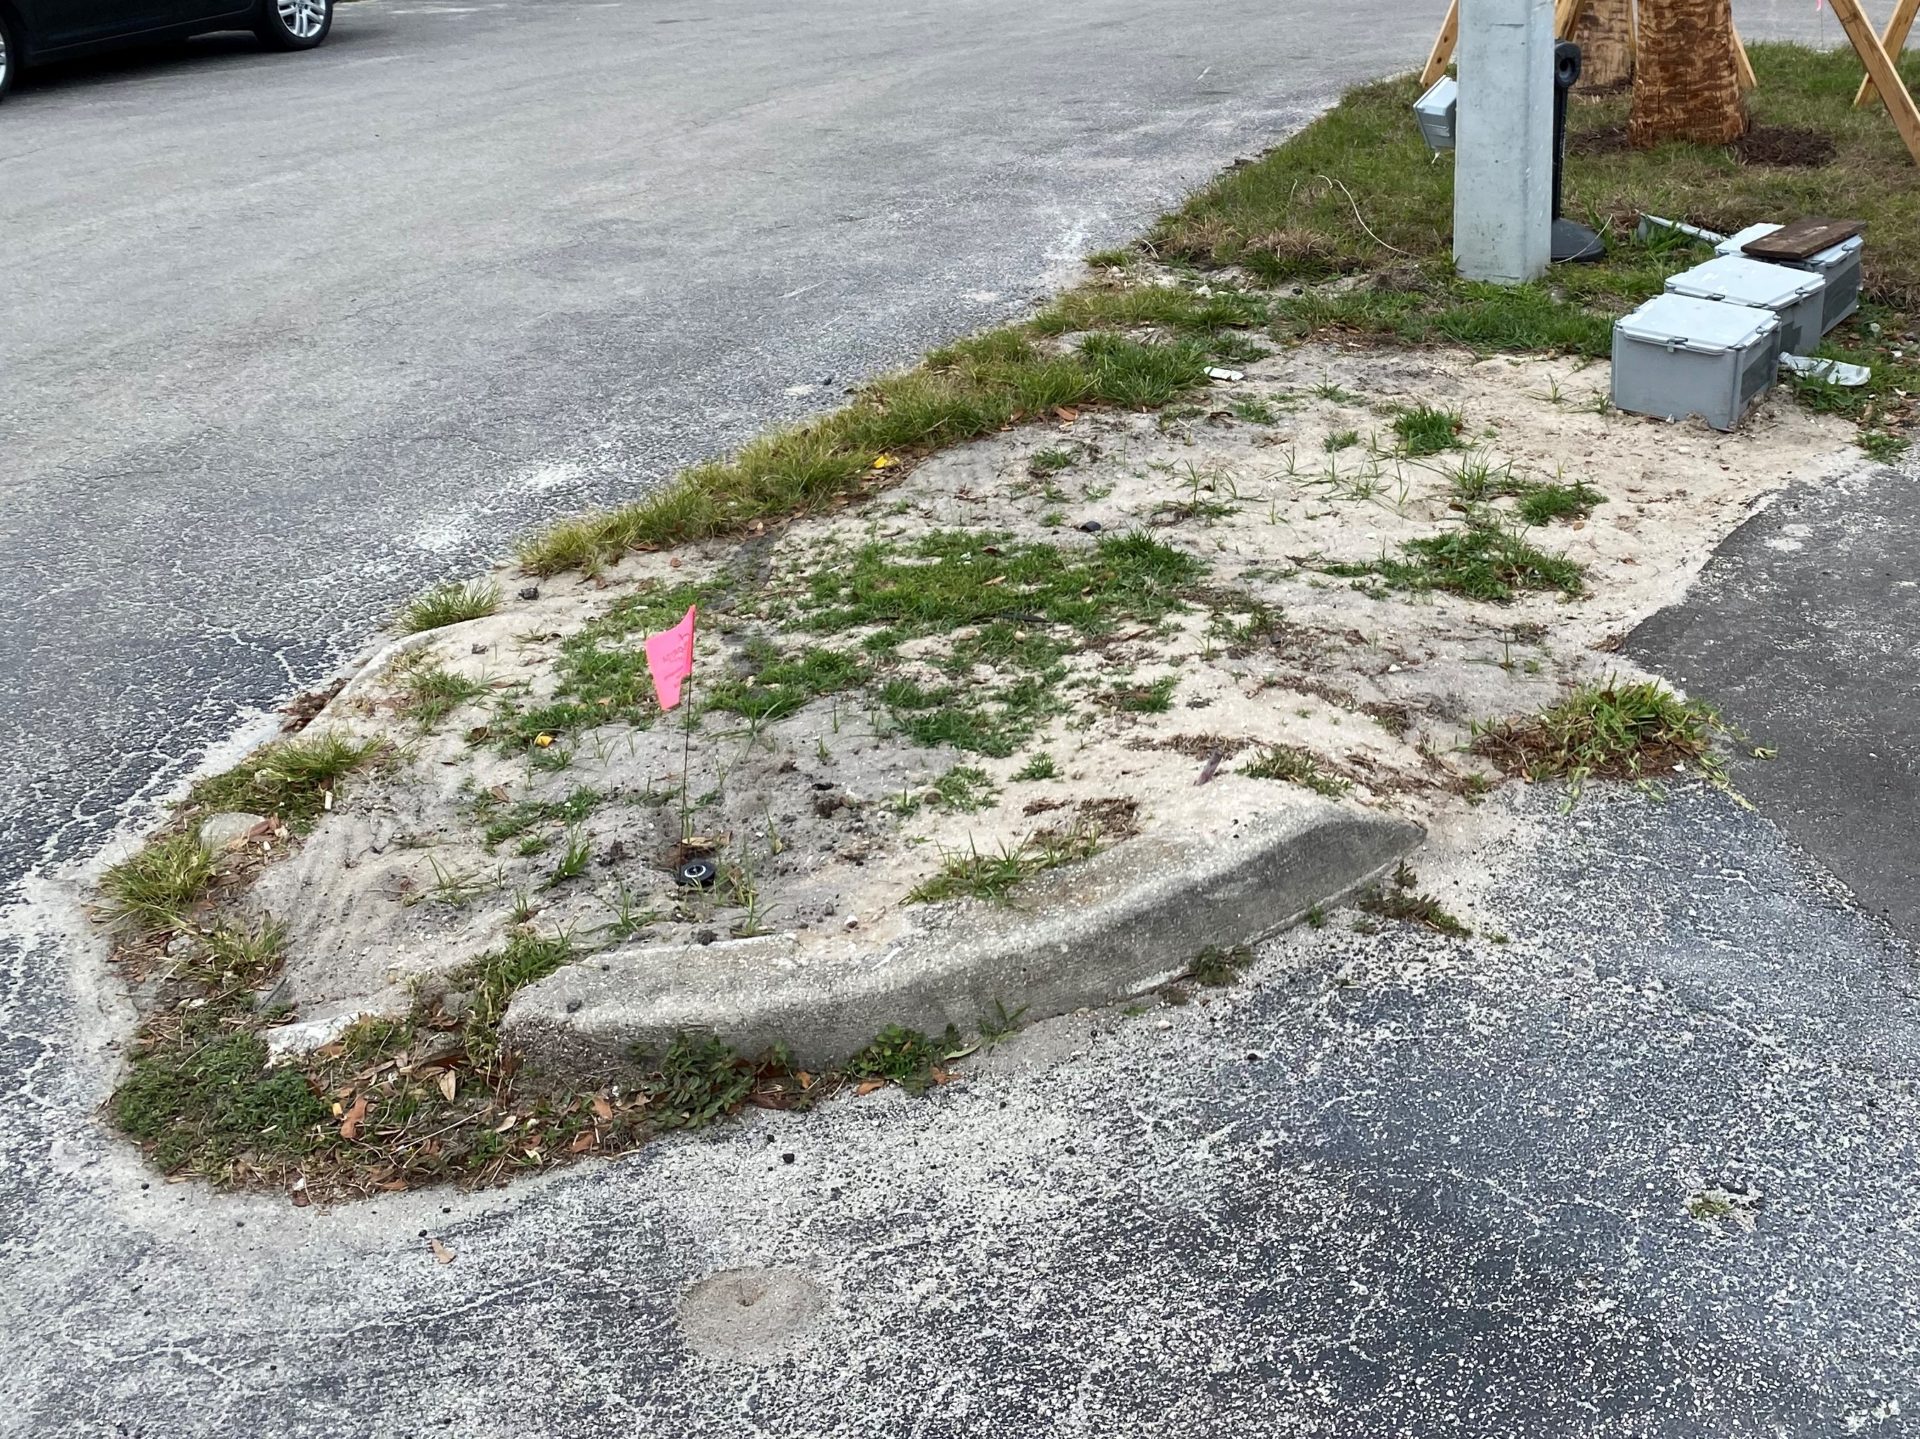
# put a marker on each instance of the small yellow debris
(542, 741)
(884, 462)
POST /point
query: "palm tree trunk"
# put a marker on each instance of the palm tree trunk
(1687, 86)
(1605, 37)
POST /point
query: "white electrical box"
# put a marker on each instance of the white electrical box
(1794, 295)
(1676, 356)
(1839, 267)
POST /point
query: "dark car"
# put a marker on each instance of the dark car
(36, 30)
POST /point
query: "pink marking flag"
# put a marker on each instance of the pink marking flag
(670, 659)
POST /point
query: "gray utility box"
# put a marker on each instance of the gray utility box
(1676, 356)
(1438, 111)
(1793, 295)
(1839, 267)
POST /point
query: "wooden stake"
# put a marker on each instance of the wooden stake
(1880, 70)
(1748, 84)
(1893, 42)
(1566, 15)
(1443, 44)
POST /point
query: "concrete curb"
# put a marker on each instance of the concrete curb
(1120, 924)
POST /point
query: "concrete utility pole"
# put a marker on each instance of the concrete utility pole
(1503, 155)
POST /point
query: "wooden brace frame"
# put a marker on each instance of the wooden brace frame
(1883, 79)
(1880, 68)
(1566, 15)
(1893, 42)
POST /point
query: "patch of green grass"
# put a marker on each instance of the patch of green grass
(309, 764)
(1138, 375)
(1357, 194)
(492, 980)
(1709, 1206)
(954, 579)
(1295, 766)
(1148, 699)
(1477, 479)
(699, 1082)
(1607, 730)
(897, 1055)
(994, 876)
(454, 887)
(1041, 766)
(963, 788)
(368, 1039)
(1216, 967)
(778, 684)
(601, 676)
(1341, 440)
(1443, 309)
(1871, 338)
(155, 888)
(970, 388)
(1824, 397)
(1543, 504)
(573, 861)
(1003, 614)
(347, 1120)
(204, 1097)
(1052, 461)
(293, 779)
(451, 604)
(429, 693)
(1176, 308)
(1882, 447)
(987, 720)
(1255, 412)
(509, 821)
(1480, 561)
(1427, 430)
(236, 955)
(1284, 219)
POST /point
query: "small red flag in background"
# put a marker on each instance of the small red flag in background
(670, 659)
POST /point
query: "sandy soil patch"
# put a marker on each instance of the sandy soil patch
(1031, 648)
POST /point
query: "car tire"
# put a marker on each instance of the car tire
(9, 56)
(293, 24)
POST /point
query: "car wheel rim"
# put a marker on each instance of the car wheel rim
(303, 18)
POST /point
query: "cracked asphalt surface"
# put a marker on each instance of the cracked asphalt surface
(1805, 630)
(294, 337)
